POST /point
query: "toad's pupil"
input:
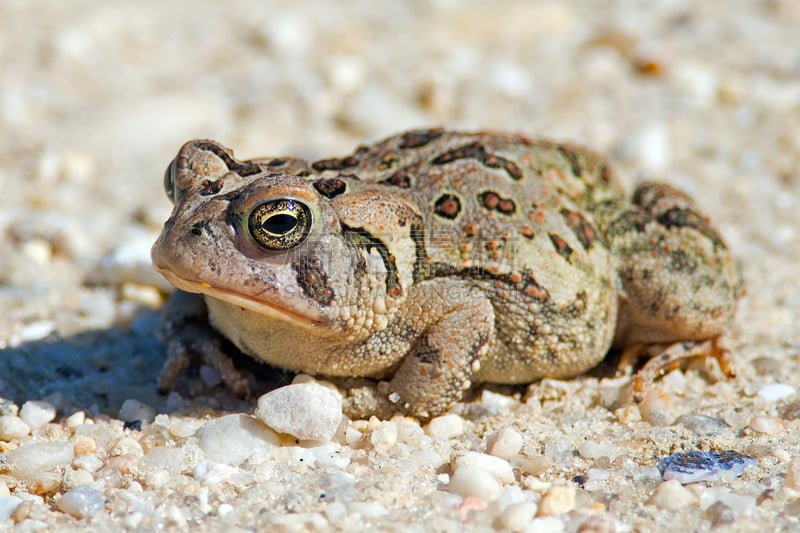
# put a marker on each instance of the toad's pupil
(280, 224)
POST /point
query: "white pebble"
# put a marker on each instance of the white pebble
(8, 505)
(672, 496)
(505, 443)
(75, 419)
(383, 436)
(595, 450)
(33, 332)
(496, 466)
(37, 413)
(776, 392)
(557, 501)
(470, 480)
(213, 473)
(37, 457)
(184, 427)
(82, 502)
(163, 459)
(135, 410)
(767, 424)
(545, 524)
(233, 438)
(518, 515)
(307, 411)
(598, 474)
(12, 427)
(367, 509)
(445, 427)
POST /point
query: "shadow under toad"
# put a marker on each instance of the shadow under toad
(97, 371)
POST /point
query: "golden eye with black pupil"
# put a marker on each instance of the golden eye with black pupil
(279, 224)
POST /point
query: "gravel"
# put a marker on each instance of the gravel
(96, 99)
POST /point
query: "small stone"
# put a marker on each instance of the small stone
(12, 427)
(672, 496)
(445, 426)
(8, 505)
(776, 392)
(768, 425)
(704, 425)
(518, 515)
(719, 514)
(557, 501)
(184, 427)
(83, 444)
(595, 450)
(135, 410)
(496, 466)
(37, 457)
(75, 419)
(505, 443)
(545, 524)
(383, 436)
(126, 446)
(82, 502)
(233, 438)
(471, 480)
(793, 474)
(597, 524)
(694, 466)
(37, 413)
(307, 411)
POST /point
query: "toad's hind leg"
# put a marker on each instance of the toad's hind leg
(679, 281)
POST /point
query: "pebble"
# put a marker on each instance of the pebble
(672, 496)
(307, 411)
(83, 444)
(37, 413)
(34, 458)
(776, 392)
(383, 436)
(793, 474)
(496, 466)
(82, 502)
(471, 480)
(595, 450)
(694, 466)
(12, 427)
(233, 438)
(597, 524)
(8, 504)
(75, 419)
(445, 426)
(768, 425)
(504, 443)
(557, 501)
(518, 515)
(704, 425)
(545, 524)
(135, 410)
(719, 514)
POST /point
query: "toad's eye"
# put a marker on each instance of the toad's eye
(280, 224)
(169, 182)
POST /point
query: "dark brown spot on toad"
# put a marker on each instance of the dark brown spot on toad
(448, 206)
(209, 187)
(562, 248)
(419, 138)
(494, 202)
(477, 151)
(330, 187)
(313, 280)
(583, 230)
(398, 179)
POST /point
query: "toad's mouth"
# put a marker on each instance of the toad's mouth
(306, 319)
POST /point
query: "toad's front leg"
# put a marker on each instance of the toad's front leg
(446, 325)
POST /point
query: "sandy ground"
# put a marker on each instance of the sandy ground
(95, 99)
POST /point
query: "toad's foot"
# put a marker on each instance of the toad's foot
(663, 358)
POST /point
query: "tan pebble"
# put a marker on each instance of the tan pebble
(83, 445)
(82, 477)
(672, 496)
(536, 465)
(504, 443)
(557, 501)
(44, 483)
(384, 436)
(628, 414)
(655, 405)
(768, 425)
(793, 474)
